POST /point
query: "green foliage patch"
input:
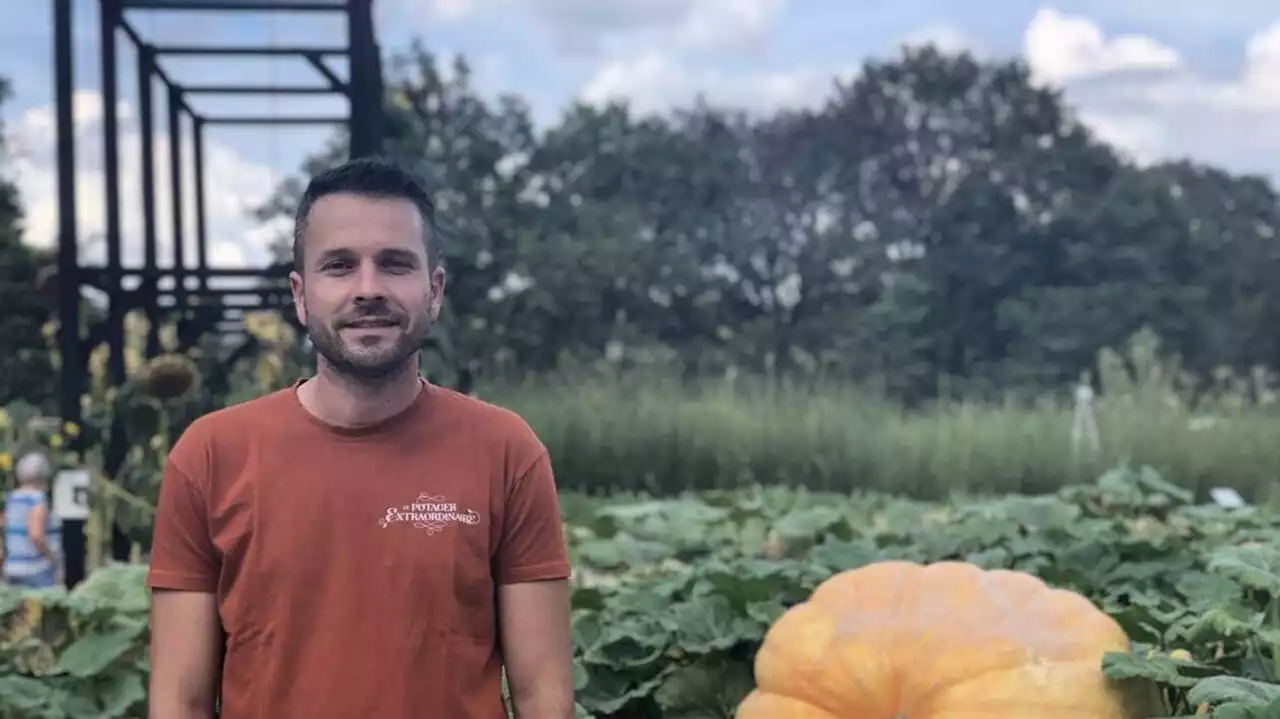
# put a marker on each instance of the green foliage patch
(675, 594)
(79, 654)
(672, 596)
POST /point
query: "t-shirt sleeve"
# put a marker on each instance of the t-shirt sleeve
(533, 546)
(183, 555)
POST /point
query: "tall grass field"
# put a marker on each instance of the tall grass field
(656, 435)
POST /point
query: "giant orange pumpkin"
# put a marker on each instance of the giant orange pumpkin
(897, 640)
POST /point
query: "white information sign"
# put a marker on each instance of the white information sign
(71, 494)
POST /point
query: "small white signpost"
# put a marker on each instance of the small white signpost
(71, 494)
(1227, 497)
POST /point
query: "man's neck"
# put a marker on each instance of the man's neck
(345, 401)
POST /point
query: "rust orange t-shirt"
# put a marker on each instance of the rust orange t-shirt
(356, 570)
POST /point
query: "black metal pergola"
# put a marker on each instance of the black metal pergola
(189, 277)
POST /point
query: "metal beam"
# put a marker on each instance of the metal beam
(259, 90)
(317, 61)
(100, 274)
(274, 120)
(256, 292)
(247, 50)
(235, 5)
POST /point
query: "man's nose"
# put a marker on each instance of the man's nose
(369, 283)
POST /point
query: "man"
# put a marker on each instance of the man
(364, 543)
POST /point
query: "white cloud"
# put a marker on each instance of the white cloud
(452, 9)
(593, 27)
(390, 15)
(1063, 48)
(663, 77)
(729, 25)
(233, 187)
(661, 54)
(657, 81)
(1143, 138)
(1261, 77)
(1141, 94)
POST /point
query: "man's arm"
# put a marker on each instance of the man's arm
(533, 618)
(186, 654)
(533, 598)
(186, 632)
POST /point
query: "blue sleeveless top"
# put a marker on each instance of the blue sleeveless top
(20, 556)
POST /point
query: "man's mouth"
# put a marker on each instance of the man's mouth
(372, 323)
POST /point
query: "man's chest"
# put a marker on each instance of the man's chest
(359, 519)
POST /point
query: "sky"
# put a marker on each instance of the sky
(1174, 79)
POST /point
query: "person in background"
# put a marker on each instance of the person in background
(32, 536)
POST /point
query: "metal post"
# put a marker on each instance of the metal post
(117, 444)
(68, 261)
(364, 84)
(202, 230)
(146, 112)
(175, 190)
(111, 187)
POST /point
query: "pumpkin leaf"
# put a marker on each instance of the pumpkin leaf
(1163, 670)
(1254, 567)
(708, 625)
(710, 690)
(1219, 690)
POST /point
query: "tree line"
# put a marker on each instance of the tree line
(938, 221)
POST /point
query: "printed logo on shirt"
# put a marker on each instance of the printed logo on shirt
(429, 512)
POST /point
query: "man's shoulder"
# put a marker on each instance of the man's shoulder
(227, 427)
(241, 416)
(469, 408)
(498, 425)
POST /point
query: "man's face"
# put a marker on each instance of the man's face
(368, 299)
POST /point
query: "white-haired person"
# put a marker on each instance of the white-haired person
(32, 535)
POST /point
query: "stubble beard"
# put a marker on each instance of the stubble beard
(372, 364)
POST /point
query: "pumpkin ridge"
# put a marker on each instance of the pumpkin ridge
(995, 677)
(924, 703)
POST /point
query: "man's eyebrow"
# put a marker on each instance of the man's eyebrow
(345, 253)
(334, 253)
(398, 253)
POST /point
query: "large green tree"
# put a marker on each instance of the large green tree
(941, 219)
(26, 370)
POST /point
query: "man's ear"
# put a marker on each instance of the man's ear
(437, 292)
(299, 297)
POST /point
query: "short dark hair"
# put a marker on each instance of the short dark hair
(369, 177)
